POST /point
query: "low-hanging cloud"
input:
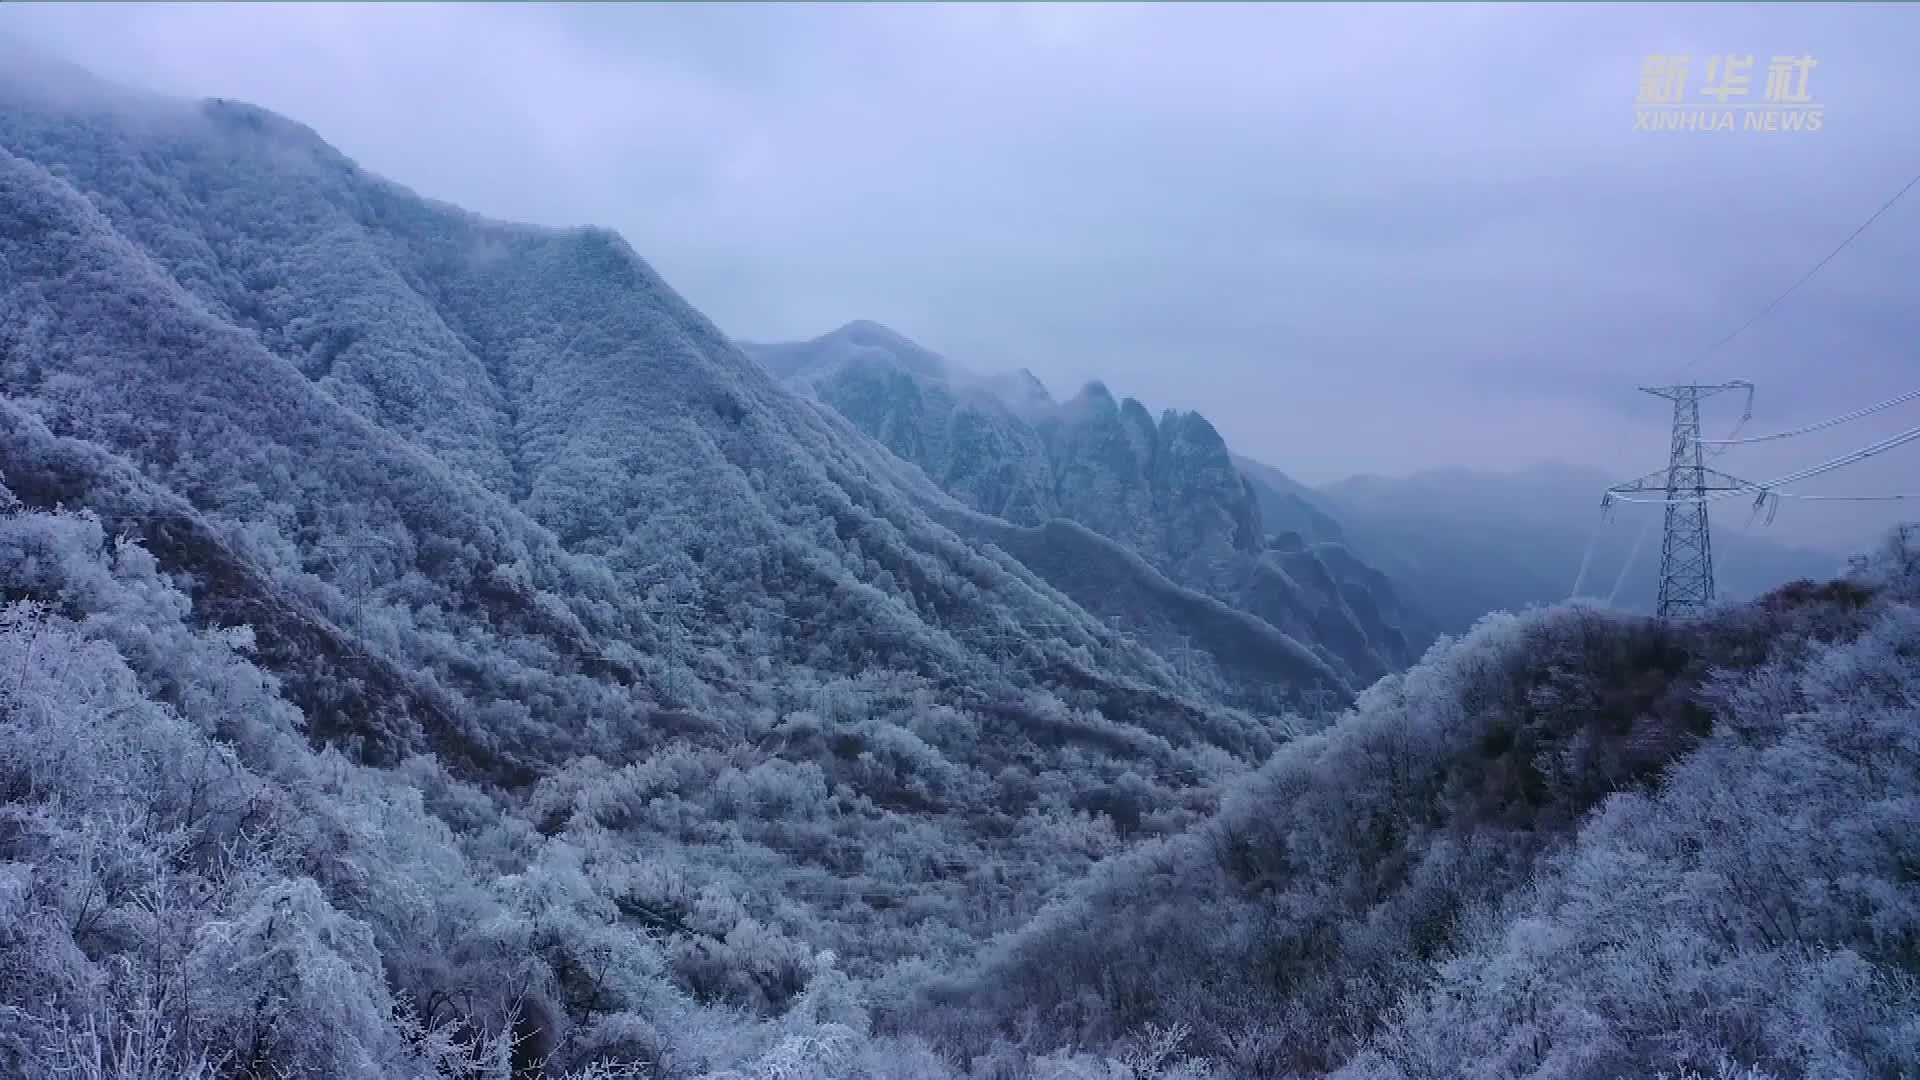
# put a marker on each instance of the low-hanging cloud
(1359, 239)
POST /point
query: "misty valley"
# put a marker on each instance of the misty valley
(433, 648)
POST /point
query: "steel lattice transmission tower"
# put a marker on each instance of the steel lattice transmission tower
(1686, 555)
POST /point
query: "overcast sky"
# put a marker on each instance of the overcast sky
(1359, 239)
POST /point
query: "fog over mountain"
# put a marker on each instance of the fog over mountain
(1370, 568)
(1355, 246)
(1471, 542)
(1166, 489)
(432, 648)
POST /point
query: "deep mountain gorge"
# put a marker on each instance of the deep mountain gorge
(430, 649)
(495, 497)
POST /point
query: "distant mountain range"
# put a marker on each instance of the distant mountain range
(430, 648)
(1166, 489)
(1366, 570)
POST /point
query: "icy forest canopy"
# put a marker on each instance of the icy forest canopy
(431, 649)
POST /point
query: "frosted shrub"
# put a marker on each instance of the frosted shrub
(819, 1054)
(293, 986)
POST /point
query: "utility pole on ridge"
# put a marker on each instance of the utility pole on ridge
(1686, 555)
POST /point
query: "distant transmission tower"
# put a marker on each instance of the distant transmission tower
(1686, 557)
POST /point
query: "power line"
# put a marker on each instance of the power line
(1586, 559)
(1833, 422)
(1843, 460)
(1686, 561)
(1768, 500)
(1627, 566)
(1744, 487)
(1846, 498)
(1716, 447)
(1808, 276)
(1686, 515)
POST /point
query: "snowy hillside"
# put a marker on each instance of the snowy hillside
(496, 498)
(1571, 843)
(430, 650)
(1167, 490)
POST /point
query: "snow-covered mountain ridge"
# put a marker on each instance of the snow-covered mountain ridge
(1167, 489)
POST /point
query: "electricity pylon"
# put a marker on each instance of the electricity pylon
(1686, 556)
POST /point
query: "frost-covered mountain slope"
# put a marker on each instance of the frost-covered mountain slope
(548, 369)
(1167, 489)
(1572, 843)
(347, 731)
(960, 432)
(494, 494)
(1286, 505)
(192, 889)
(491, 505)
(344, 691)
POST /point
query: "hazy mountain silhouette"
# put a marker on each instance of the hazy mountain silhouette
(1167, 489)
